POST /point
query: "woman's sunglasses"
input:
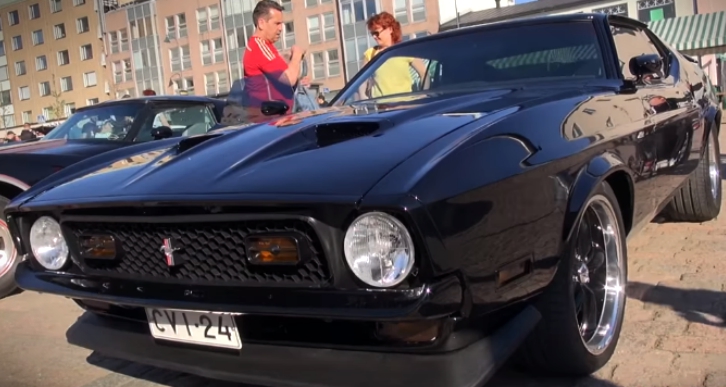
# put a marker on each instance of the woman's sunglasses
(376, 34)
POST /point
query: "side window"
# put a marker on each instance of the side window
(629, 43)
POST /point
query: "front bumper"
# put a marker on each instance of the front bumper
(274, 365)
(434, 300)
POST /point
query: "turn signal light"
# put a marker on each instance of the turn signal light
(97, 246)
(272, 250)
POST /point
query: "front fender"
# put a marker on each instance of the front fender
(603, 167)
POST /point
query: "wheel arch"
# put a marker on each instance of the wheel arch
(609, 168)
(11, 187)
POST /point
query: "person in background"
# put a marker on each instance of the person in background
(394, 76)
(148, 93)
(322, 101)
(11, 137)
(267, 76)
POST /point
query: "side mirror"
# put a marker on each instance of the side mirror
(161, 132)
(274, 108)
(647, 64)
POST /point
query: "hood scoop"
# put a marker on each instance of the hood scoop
(191, 142)
(335, 132)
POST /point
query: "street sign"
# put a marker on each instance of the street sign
(41, 119)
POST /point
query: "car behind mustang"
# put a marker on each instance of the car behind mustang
(418, 239)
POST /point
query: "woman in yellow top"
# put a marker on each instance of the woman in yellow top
(393, 76)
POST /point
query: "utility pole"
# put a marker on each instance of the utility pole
(456, 9)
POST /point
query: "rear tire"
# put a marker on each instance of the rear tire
(8, 256)
(590, 282)
(699, 200)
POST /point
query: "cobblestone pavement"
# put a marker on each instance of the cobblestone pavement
(674, 333)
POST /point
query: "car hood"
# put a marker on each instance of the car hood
(337, 151)
(61, 147)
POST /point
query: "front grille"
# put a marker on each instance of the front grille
(214, 253)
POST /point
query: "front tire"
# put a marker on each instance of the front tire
(699, 200)
(8, 256)
(583, 308)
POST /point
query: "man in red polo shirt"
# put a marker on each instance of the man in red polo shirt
(267, 75)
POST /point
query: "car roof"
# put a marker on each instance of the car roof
(154, 98)
(528, 21)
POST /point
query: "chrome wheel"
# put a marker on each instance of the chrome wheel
(598, 275)
(714, 173)
(8, 254)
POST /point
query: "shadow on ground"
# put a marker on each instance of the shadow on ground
(706, 307)
(507, 377)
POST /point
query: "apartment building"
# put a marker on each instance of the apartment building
(51, 59)
(196, 47)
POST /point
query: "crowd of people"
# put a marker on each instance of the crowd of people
(26, 134)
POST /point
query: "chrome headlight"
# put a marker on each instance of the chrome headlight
(379, 250)
(47, 242)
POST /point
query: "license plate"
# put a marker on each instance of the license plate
(213, 329)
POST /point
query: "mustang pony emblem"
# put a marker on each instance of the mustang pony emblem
(169, 249)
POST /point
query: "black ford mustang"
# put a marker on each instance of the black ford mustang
(416, 238)
(90, 131)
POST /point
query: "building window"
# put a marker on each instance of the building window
(180, 58)
(400, 9)
(318, 59)
(44, 88)
(92, 101)
(13, 17)
(176, 26)
(41, 63)
(186, 85)
(124, 34)
(66, 84)
(314, 33)
(2, 48)
(222, 82)
(289, 29)
(17, 43)
(55, 6)
(311, 3)
(9, 120)
(20, 68)
(141, 28)
(48, 112)
(59, 31)
(82, 25)
(27, 116)
(38, 37)
(4, 76)
(329, 26)
(113, 42)
(212, 51)
(77, 3)
(418, 10)
(86, 52)
(208, 18)
(24, 93)
(69, 108)
(89, 79)
(333, 63)
(210, 82)
(652, 10)
(64, 58)
(5, 98)
(618, 9)
(34, 11)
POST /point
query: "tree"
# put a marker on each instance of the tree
(58, 109)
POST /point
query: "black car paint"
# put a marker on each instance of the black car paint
(23, 165)
(528, 174)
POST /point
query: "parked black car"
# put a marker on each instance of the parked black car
(92, 130)
(412, 239)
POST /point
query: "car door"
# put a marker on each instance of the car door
(670, 116)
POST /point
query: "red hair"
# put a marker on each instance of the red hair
(386, 20)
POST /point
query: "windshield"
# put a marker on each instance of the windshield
(102, 122)
(544, 51)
